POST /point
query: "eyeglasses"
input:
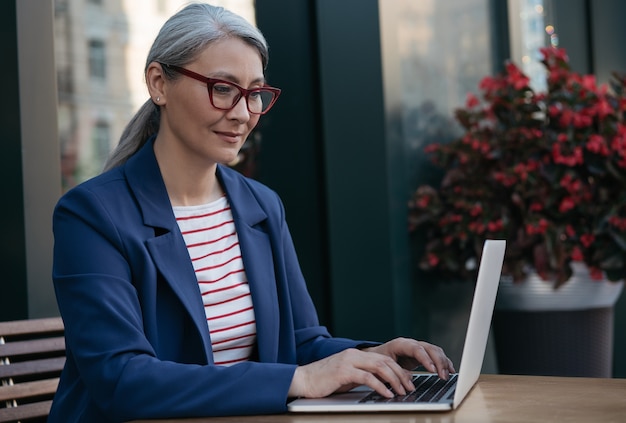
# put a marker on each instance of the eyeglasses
(224, 95)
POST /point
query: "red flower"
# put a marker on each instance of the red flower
(552, 54)
(618, 222)
(539, 228)
(581, 120)
(423, 202)
(577, 255)
(587, 239)
(554, 110)
(562, 138)
(476, 227)
(431, 148)
(516, 77)
(602, 109)
(536, 206)
(557, 76)
(597, 144)
(504, 179)
(496, 226)
(471, 101)
(476, 210)
(566, 204)
(576, 158)
(570, 184)
(567, 117)
(588, 83)
(596, 273)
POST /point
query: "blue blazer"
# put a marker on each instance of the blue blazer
(137, 340)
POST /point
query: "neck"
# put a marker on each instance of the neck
(192, 190)
(188, 184)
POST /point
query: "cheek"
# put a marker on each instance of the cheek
(196, 106)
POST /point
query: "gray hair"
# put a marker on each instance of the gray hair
(181, 39)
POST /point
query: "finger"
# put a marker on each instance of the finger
(368, 379)
(451, 366)
(389, 371)
(433, 359)
(442, 363)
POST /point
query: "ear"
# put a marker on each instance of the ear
(155, 80)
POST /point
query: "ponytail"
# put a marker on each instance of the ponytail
(142, 126)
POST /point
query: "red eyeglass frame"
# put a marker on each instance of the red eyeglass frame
(243, 92)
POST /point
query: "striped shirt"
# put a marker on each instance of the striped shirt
(213, 245)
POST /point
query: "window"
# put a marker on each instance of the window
(101, 140)
(530, 30)
(161, 6)
(434, 53)
(97, 59)
(100, 48)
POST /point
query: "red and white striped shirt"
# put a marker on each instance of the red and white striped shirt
(213, 245)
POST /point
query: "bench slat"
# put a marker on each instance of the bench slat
(31, 326)
(29, 389)
(27, 368)
(35, 352)
(44, 345)
(26, 411)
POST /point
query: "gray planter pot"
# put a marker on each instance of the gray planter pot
(579, 293)
(563, 332)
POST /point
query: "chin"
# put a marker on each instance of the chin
(233, 162)
(230, 159)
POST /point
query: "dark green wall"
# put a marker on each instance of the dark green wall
(365, 182)
(325, 151)
(13, 288)
(290, 158)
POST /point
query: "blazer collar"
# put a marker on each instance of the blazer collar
(145, 180)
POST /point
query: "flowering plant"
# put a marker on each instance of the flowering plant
(544, 170)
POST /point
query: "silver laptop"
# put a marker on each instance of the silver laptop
(444, 395)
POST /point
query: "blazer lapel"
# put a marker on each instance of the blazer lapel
(167, 248)
(256, 251)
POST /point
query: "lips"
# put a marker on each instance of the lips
(233, 137)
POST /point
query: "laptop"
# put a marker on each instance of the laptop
(445, 395)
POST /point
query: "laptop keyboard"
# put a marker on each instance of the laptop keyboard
(428, 388)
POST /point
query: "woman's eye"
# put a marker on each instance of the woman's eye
(223, 89)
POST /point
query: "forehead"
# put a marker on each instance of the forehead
(230, 56)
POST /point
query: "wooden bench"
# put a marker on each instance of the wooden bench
(32, 355)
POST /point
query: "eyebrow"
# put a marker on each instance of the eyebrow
(230, 77)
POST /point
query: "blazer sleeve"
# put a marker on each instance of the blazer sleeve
(112, 366)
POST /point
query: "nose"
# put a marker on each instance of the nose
(240, 110)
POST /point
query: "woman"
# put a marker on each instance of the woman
(176, 277)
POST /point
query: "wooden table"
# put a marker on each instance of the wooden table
(494, 399)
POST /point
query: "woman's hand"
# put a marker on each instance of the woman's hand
(350, 368)
(389, 363)
(410, 353)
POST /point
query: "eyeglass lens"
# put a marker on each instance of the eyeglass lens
(225, 96)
